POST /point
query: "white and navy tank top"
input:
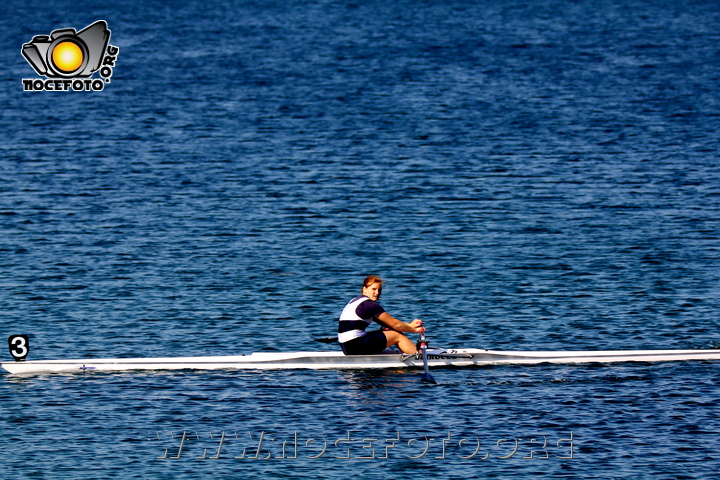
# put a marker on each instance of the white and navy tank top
(356, 317)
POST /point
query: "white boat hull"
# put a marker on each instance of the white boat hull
(337, 360)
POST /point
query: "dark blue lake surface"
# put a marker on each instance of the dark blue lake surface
(528, 175)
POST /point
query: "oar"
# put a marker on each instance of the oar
(426, 377)
(326, 339)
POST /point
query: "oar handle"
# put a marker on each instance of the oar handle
(422, 341)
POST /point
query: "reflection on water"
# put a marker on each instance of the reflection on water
(379, 380)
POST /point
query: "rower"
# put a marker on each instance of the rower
(360, 312)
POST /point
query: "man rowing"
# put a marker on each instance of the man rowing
(361, 312)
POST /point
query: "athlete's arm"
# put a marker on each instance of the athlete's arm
(395, 324)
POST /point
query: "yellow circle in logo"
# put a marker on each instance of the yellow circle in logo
(67, 56)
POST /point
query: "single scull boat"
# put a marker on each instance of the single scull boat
(436, 357)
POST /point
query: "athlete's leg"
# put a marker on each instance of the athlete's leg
(396, 338)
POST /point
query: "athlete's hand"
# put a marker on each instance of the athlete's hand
(417, 325)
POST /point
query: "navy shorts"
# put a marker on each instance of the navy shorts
(369, 344)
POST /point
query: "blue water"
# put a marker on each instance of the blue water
(525, 174)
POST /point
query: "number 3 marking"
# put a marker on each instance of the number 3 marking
(19, 346)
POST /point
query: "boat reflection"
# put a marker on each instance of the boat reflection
(379, 379)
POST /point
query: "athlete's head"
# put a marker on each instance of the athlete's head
(372, 287)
